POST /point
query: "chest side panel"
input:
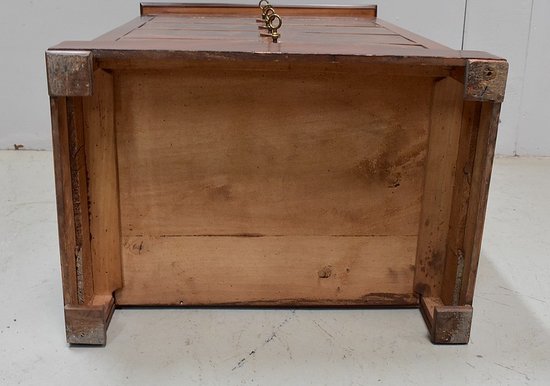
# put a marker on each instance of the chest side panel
(260, 186)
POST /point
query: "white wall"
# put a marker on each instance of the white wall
(503, 28)
(533, 136)
(27, 29)
(515, 29)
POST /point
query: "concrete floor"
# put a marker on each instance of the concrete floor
(510, 342)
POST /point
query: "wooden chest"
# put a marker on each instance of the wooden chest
(204, 159)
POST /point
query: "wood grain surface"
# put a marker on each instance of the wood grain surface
(150, 9)
(445, 126)
(103, 195)
(268, 271)
(221, 178)
(324, 155)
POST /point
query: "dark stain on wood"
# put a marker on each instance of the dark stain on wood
(388, 166)
(368, 300)
(217, 193)
(325, 272)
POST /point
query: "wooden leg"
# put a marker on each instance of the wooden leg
(447, 324)
(454, 207)
(87, 199)
(87, 324)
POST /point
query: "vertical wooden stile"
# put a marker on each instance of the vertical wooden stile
(470, 201)
(445, 124)
(102, 163)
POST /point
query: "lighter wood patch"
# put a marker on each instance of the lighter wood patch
(267, 270)
(208, 153)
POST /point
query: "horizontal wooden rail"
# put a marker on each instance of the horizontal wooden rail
(153, 9)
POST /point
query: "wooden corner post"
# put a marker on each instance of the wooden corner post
(463, 128)
(70, 73)
(88, 284)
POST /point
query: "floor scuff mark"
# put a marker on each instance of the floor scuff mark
(268, 340)
(514, 370)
